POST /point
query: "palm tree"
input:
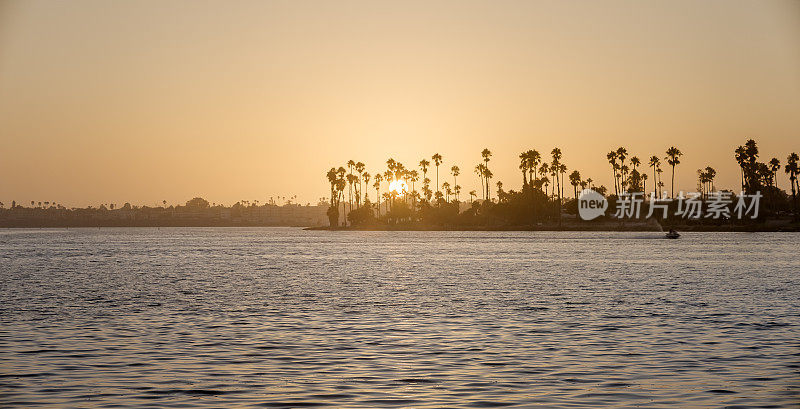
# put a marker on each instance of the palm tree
(612, 159)
(659, 171)
(793, 170)
(360, 169)
(367, 177)
(388, 176)
(774, 167)
(544, 179)
(500, 192)
(437, 160)
(644, 182)
(622, 153)
(740, 156)
(654, 163)
(486, 154)
(575, 180)
(332, 176)
(673, 159)
(488, 174)
(534, 158)
(350, 165)
(426, 189)
(523, 166)
(555, 168)
(423, 164)
(702, 182)
(623, 170)
(455, 171)
(341, 183)
(752, 180)
(543, 169)
(351, 180)
(711, 173)
(377, 186)
(446, 188)
(413, 177)
(472, 195)
(480, 170)
(635, 162)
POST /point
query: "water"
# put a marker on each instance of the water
(290, 318)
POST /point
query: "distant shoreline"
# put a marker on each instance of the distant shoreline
(587, 226)
(651, 226)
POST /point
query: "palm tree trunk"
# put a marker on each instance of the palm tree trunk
(614, 171)
(673, 181)
(655, 180)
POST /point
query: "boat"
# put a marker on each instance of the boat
(673, 234)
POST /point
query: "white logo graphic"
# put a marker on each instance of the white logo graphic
(591, 204)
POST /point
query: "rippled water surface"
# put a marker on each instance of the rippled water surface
(291, 318)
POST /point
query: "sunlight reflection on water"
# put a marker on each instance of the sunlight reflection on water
(287, 318)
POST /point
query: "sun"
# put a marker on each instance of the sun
(398, 186)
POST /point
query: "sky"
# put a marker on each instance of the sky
(144, 101)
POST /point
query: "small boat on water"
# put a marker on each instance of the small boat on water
(673, 234)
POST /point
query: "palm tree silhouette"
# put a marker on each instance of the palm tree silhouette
(486, 154)
(489, 175)
(360, 169)
(555, 168)
(543, 169)
(654, 163)
(575, 180)
(480, 170)
(622, 153)
(740, 156)
(523, 166)
(774, 167)
(388, 176)
(377, 186)
(793, 170)
(423, 164)
(612, 159)
(437, 160)
(711, 173)
(673, 159)
(472, 195)
(413, 177)
(455, 171)
(367, 177)
(644, 182)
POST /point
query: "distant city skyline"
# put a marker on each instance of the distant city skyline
(144, 102)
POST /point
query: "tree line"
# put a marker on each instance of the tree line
(410, 194)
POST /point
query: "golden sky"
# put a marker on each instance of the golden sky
(144, 101)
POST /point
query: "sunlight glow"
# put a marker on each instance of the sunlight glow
(398, 186)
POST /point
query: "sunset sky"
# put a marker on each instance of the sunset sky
(144, 101)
